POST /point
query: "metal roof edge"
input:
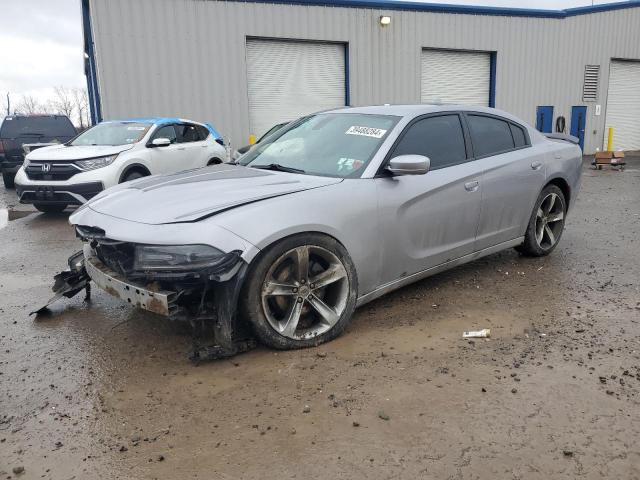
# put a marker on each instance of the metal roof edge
(460, 9)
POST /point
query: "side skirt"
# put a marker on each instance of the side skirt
(401, 282)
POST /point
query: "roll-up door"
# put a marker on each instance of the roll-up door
(289, 79)
(452, 76)
(623, 105)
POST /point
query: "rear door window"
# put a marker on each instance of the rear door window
(489, 135)
(187, 133)
(440, 138)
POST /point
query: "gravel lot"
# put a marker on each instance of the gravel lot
(105, 391)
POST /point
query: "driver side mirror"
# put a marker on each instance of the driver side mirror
(160, 142)
(409, 165)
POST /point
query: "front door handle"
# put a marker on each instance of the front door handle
(471, 186)
(536, 165)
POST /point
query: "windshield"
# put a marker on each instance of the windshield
(329, 144)
(113, 133)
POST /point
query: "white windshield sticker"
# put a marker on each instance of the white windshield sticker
(136, 128)
(366, 131)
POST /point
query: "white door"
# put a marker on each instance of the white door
(166, 159)
(452, 76)
(290, 79)
(623, 105)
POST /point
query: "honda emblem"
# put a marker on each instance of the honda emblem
(46, 167)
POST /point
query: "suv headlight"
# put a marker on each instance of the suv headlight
(93, 163)
(176, 257)
(26, 162)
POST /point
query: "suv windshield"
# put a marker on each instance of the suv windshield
(113, 133)
(328, 144)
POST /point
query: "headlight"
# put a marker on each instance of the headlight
(93, 163)
(176, 257)
(26, 162)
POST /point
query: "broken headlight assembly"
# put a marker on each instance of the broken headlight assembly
(93, 163)
(178, 257)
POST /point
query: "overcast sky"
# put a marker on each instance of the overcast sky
(41, 43)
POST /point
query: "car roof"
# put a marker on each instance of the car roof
(421, 109)
(166, 121)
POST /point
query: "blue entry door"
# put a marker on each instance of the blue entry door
(544, 119)
(578, 123)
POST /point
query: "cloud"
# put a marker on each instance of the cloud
(41, 47)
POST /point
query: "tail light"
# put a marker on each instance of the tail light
(220, 141)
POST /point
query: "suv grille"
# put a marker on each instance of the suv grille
(51, 171)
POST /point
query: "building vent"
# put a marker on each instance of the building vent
(590, 87)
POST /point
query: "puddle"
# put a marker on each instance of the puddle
(8, 214)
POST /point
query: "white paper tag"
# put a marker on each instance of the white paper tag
(366, 131)
(137, 129)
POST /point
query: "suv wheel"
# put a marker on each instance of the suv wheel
(8, 179)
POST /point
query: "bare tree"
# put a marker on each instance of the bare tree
(29, 105)
(63, 102)
(81, 103)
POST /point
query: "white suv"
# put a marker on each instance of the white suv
(113, 152)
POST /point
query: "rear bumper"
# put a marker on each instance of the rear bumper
(52, 194)
(157, 301)
(9, 166)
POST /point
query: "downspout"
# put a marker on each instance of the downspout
(95, 107)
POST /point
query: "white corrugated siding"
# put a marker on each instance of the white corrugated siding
(287, 80)
(188, 57)
(623, 105)
(450, 76)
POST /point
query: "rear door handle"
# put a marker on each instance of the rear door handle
(471, 186)
(536, 165)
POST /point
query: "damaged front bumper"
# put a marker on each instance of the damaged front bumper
(162, 302)
(206, 298)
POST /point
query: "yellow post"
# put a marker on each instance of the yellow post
(252, 139)
(610, 140)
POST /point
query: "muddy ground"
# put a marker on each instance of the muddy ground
(105, 391)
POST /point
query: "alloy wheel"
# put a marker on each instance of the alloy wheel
(305, 292)
(549, 221)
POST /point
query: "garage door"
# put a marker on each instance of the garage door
(450, 76)
(623, 105)
(289, 79)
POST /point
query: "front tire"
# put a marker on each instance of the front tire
(546, 223)
(132, 176)
(300, 292)
(50, 207)
(8, 179)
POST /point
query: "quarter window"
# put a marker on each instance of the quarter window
(440, 138)
(518, 136)
(489, 135)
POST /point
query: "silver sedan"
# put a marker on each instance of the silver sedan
(328, 213)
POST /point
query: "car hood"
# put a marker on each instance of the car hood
(63, 152)
(196, 194)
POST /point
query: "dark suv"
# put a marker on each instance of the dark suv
(18, 130)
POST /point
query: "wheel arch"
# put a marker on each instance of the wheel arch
(133, 167)
(215, 160)
(563, 185)
(272, 240)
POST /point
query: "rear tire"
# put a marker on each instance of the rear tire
(214, 161)
(546, 223)
(300, 292)
(50, 207)
(8, 179)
